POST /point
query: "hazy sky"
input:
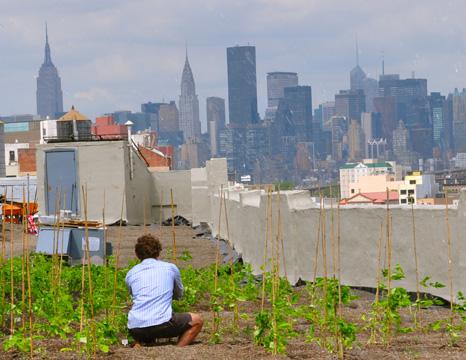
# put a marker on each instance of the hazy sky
(116, 54)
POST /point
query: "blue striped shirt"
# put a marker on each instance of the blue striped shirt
(152, 284)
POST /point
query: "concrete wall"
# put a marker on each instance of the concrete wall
(179, 181)
(360, 229)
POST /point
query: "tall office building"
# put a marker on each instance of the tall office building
(459, 120)
(360, 81)
(49, 95)
(440, 123)
(328, 110)
(350, 104)
(242, 86)
(296, 113)
(356, 142)
(215, 110)
(276, 84)
(189, 105)
(411, 99)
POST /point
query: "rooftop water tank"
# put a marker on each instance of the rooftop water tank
(74, 126)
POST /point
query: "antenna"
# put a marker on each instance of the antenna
(357, 51)
(383, 63)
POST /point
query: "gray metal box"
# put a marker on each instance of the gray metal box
(53, 241)
(71, 242)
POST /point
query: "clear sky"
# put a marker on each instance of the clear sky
(116, 54)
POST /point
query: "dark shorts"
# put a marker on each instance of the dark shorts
(176, 326)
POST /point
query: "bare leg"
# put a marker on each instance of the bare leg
(196, 326)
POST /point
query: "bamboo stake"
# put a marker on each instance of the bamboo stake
(324, 265)
(12, 282)
(267, 224)
(105, 256)
(23, 264)
(450, 268)
(215, 322)
(117, 258)
(389, 263)
(232, 271)
(276, 280)
(3, 261)
(332, 235)
(418, 292)
(379, 264)
(339, 307)
(173, 227)
(89, 272)
(28, 274)
(62, 233)
(161, 211)
(316, 251)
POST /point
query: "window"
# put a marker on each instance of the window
(403, 201)
(12, 156)
(352, 191)
(410, 192)
(412, 182)
(403, 192)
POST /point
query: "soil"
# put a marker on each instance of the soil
(239, 344)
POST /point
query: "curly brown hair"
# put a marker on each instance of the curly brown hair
(148, 246)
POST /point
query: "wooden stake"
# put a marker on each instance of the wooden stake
(161, 211)
(389, 262)
(117, 258)
(332, 235)
(267, 234)
(23, 265)
(173, 227)
(89, 272)
(316, 251)
(105, 255)
(3, 281)
(418, 292)
(12, 282)
(450, 266)
(215, 322)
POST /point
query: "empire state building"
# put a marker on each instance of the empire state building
(49, 95)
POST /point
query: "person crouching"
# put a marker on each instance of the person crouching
(153, 284)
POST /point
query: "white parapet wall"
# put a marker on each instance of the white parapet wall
(360, 230)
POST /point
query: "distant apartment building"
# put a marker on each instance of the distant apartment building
(417, 186)
(352, 172)
(105, 128)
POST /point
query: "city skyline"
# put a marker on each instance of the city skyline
(104, 68)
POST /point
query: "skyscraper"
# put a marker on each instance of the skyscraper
(49, 95)
(276, 84)
(459, 120)
(440, 123)
(189, 105)
(215, 110)
(242, 85)
(360, 81)
(350, 104)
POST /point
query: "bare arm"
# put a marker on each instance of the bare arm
(178, 285)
